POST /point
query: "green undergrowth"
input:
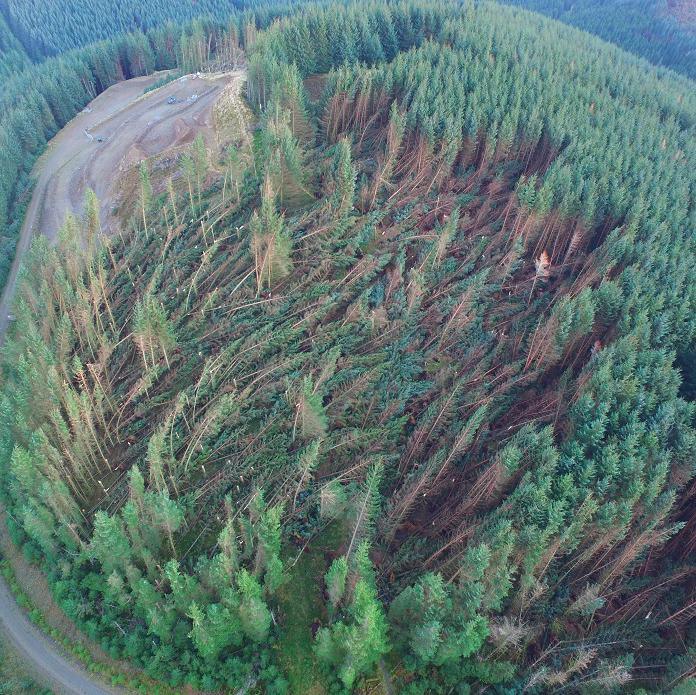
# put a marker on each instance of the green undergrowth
(14, 677)
(171, 76)
(302, 606)
(78, 651)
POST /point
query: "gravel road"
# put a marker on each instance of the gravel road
(44, 655)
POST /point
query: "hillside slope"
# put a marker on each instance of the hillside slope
(384, 392)
(31, 32)
(57, 26)
(661, 31)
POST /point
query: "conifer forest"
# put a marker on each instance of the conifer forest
(391, 387)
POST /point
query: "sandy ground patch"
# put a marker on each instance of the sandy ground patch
(100, 147)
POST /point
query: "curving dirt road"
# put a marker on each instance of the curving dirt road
(98, 149)
(101, 145)
(44, 655)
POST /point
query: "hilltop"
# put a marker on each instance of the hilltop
(386, 387)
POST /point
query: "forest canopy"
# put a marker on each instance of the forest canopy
(394, 387)
(662, 31)
(56, 26)
(30, 32)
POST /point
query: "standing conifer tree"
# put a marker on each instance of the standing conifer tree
(270, 243)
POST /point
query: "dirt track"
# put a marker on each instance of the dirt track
(133, 126)
(46, 658)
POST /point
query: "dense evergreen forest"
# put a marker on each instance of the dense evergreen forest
(662, 31)
(56, 26)
(392, 393)
(30, 31)
(659, 30)
(13, 57)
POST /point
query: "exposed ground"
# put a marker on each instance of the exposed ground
(132, 126)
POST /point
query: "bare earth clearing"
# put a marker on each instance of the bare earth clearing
(101, 149)
(132, 126)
